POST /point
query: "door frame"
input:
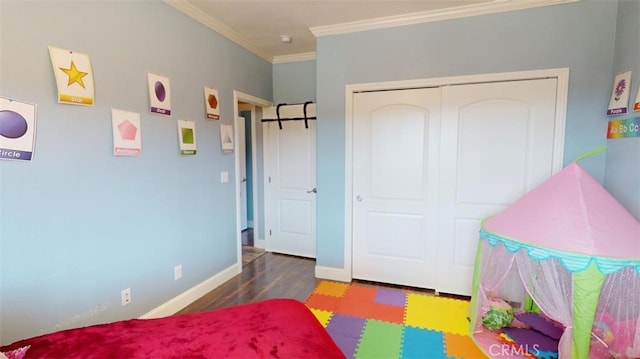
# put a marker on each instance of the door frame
(561, 74)
(256, 102)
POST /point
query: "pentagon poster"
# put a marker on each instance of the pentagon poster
(127, 136)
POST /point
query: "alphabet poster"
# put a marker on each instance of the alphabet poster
(17, 129)
(74, 77)
(629, 127)
(211, 103)
(159, 94)
(620, 94)
(187, 137)
(127, 136)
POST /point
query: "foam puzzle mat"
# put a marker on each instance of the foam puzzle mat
(379, 322)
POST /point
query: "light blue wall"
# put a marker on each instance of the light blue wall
(580, 36)
(622, 176)
(294, 82)
(77, 224)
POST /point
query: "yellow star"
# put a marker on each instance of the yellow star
(74, 75)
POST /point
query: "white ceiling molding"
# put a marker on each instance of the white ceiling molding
(303, 56)
(496, 6)
(219, 27)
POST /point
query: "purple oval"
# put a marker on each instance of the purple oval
(160, 92)
(12, 124)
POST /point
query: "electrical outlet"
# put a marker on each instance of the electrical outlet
(177, 272)
(125, 294)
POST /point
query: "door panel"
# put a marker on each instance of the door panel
(395, 157)
(497, 143)
(291, 177)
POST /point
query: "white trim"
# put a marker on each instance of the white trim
(255, 101)
(330, 273)
(303, 56)
(259, 243)
(191, 295)
(219, 27)
(562, 90)
(496, 6)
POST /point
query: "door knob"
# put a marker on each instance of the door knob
(359, 198)
(313, 191)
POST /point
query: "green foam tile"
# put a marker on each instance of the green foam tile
(379, 340)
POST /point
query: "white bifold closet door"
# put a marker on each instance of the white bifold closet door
(430, 164)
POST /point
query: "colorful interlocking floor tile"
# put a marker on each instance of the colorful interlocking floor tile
(369, 322)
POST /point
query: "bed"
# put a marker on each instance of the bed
(273, 328)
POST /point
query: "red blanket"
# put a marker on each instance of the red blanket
(275, 328)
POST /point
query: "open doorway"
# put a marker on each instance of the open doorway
(249, 176)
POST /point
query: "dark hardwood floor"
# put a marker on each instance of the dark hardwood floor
(269, 276)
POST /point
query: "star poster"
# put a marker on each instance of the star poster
(159, 94)
(74, 76)
(127, 136)
(211, 103)
(17, 129)
(620, 94)
(187, 137)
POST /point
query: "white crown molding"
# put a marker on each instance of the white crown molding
(303, 56)
(496, 6)
(219, 27)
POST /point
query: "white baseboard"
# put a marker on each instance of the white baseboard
(194, 293)
(337, 274)
(259, 243)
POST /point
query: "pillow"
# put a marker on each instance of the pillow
(500, 314)
(15, 354)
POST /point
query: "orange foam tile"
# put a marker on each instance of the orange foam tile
(323, 302)
(387, 313)
(461, 347)
(361, 293)
(334, 289)
(356, 308)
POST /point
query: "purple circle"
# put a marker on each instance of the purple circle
(160, 91)
(12, 124)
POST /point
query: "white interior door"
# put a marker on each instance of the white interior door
(497, 144)
(242, 170)
(395, 157)
(290, 181)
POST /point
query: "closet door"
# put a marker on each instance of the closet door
(290, 181)
(496, 145)
(395, 158)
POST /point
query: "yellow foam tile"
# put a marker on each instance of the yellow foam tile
(437, 313)
(323, 316)
(334, 289)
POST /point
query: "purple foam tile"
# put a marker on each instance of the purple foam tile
(391, 297)
(346, 325)
(345, 330)
(531, 338)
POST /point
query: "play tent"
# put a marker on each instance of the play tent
(573, 251)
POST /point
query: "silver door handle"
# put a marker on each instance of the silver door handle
(359, 198)
(313, 191)
(244, 180)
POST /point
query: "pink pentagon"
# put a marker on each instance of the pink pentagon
(127, 130)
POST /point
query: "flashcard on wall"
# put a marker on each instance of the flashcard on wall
(17, 129)
(211, 103)
(636, 105)
(127, 135)
(187, 137)
(159, 94)
(620, 94)
(226, 137)
(74, 76)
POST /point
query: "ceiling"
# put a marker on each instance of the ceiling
(258, 24)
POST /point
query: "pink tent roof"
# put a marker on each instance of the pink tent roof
(570, 212)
